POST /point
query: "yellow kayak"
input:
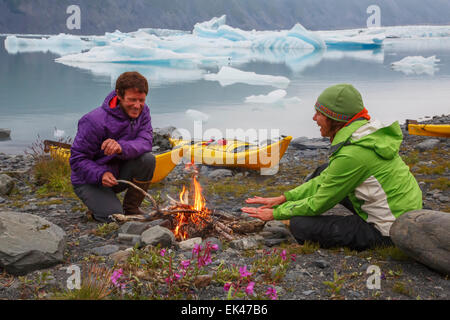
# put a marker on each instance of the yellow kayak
(165, 162)
(233, 153)
(432, 130)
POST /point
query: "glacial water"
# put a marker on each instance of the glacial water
(38, 95)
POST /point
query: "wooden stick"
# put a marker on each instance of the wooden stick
(223, 234)
(155, 205)
(224, 227)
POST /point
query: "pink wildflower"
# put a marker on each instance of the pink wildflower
(249, 289)
(293, 257)
(272, 293)
(227, 287)
(283, 255)
(243, 271)
(215, 247)
(185, 264)
(162, 252)
(197, 249)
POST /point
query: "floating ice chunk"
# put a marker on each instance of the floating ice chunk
(416, 65)
(216, 28)
(134, 51)
(314, 39)
(58, 133)
(60, 44)
(228, 76)
(197, 115)
(272, 97)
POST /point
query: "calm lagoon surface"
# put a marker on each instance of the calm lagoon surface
(38, 95)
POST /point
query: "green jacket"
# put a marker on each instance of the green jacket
(365, 166)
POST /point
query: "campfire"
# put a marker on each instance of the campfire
(189, 217)
(192, 217)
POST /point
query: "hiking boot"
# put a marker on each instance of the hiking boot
(134, 197)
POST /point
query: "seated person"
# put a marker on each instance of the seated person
(114, 142)
(365, 173)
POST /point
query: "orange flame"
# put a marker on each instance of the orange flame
(201, 215)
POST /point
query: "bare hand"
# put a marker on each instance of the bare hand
(267, 202)
(108, 179)
(264, 214)
(110, 147)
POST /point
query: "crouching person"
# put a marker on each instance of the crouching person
(113, 142)
(365, 174)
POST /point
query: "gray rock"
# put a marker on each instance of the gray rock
(161, 137)
(105, 250)
(189, 243)
(131, 239)
(158, 235)
(428, 144)
(277, 232)
(321, 264)
(6, 184)
(29, 242)
(133, 227)
(5, 134)
(244, 244)
(308, 292)
(2, 200)
(220, 173)
(424, 235)
(303, 143)
(273, 242)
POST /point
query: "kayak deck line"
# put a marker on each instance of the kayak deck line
(431, 130)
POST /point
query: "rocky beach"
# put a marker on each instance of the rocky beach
(143, 260)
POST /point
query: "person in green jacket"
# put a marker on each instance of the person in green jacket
(365, 174)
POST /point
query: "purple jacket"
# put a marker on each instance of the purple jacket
(135, 136)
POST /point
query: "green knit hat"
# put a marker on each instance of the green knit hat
(340, 102)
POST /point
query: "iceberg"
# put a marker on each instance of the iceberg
(228, 76)
(61, 44)
(416, 65)
(197, 115)
(272, 97)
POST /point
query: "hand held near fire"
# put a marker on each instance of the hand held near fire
(267, 202)
(108, 179)
(265, 214)
(110, 147)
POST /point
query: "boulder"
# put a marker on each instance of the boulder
(5, 134)
(29, 242)
(158, 235)
(133, 227)
(424, 235)
(6, 184)
(161, 137)
(190, 243)
(303, 143)
(105, 250)
(428, 144)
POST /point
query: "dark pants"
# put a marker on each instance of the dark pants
(102, 201)
(337, 231)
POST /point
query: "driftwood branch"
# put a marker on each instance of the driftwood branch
(155, 205)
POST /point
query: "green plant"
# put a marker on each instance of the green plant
(106, 228)
(401, 288)
(95, 285)
(335, 286)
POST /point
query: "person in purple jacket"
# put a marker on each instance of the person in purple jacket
(114, 142)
